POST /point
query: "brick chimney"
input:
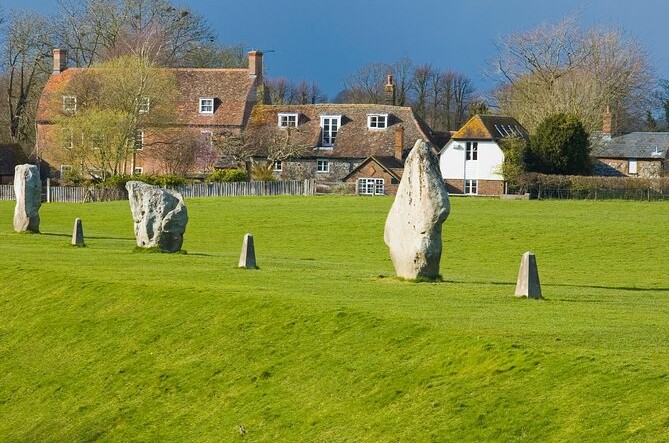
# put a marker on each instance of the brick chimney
(255, 63)
(607, 124)
(399, 143)
(59, 60)
(389, 90)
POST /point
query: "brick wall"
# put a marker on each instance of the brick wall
(373, 170)
(485, 187)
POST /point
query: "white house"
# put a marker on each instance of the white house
(471, 162)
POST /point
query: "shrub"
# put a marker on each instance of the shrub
(560, 145)
(226, 175)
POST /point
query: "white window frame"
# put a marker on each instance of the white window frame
(329, 130)
(206, 105)
(69, 103)
(322, 165)
(63, 169)
(278, 166)
(471, 187)
(68, 138)
(138, 170)
(288, 119)
(632, 166)
(138, 140)
(472, 151)
(377, 121)
(144, 105)
(371, 186)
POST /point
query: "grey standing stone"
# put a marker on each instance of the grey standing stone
(528, 277)
(78, 233)
(28, 190)
(247, 259)
(413, 226)
(160, 216)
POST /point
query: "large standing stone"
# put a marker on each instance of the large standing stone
(160, 216)
(247, 259)
(413, 226)
(28, 190)
(528, 277)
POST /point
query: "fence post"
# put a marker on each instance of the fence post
(48, 190)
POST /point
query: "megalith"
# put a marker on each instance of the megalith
(160, 216)
(28, 190)
(528, 284)
(413, 226)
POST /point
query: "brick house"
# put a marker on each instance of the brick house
(471, 162)
(636, 154)
(361, 143)
(210, 102)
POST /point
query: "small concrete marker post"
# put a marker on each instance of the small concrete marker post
(78, 234)
(247, 259)
(528, 277)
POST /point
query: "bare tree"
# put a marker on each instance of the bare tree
(282, 92)
(26, 45)
(366, 84)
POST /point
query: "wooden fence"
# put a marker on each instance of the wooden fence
(64, 194)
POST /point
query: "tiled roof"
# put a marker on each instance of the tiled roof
(233, 92)
(490, 127)
(354, 139)
(647, 145)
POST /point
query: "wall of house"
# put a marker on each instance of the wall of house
(487, 167)
(620, 167)
(301, 169)
(372, 170)
(485, 187)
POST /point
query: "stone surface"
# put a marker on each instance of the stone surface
(28, 190)
(528, 277)
(78, 233)
(413, 226)
(160, 216)
(247, 259)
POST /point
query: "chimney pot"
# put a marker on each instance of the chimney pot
(390, 90)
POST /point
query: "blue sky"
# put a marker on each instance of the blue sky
(325, 41)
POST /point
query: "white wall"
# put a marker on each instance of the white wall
(487, 167)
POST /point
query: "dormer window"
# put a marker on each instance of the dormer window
(69, 103)
(206, 105)
(143, 105)
(329, 127)
(288, 119)
(377, 121)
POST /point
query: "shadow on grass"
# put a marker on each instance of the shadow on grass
(617, 288)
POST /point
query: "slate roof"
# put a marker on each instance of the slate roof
(490, 127)
(641, 145)
(232, 89)
(354, 139)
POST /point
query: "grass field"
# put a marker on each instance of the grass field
(323, 344)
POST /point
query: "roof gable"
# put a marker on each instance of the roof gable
(490, 127)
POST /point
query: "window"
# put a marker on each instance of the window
(329, 128)
(377, 121)
(471, 186)
(287, 120)
(278, 166)
(207, 138)
(139, 140)
(143, 105)
(632, 168)
(370, 186)
(138, 170)
(322, 165)
(206, 106)
(65, 170)
(69, 103)
(67, 138)
(472, 151)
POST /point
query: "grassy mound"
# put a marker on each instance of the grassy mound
(323, 343)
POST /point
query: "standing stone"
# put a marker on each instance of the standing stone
(528, 277)
(160, 216)
(247, 259)
(78, 233)
(413, 226)
(28, 190)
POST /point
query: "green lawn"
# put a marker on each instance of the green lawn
(323, 344)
